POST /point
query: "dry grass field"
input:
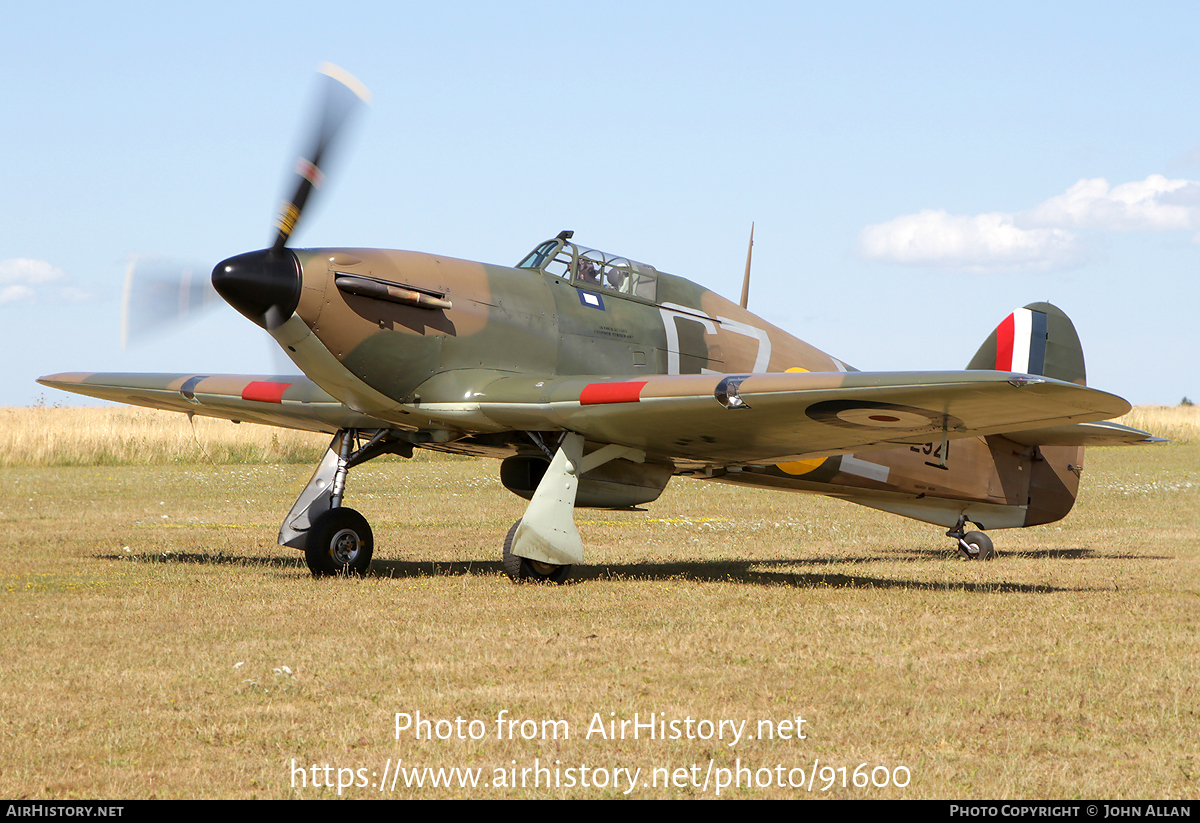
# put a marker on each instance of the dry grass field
(158, 643)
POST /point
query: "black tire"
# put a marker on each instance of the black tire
(980, 541)
(524, 570)
(340, 542)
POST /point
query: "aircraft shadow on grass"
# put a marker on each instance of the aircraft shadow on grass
(749, 572)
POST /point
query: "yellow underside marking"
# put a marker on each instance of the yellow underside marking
(802, 466)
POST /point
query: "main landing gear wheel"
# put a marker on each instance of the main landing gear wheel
(339, 542)
(979, 546)
(522, 569)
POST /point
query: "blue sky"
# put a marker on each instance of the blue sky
(915, 171)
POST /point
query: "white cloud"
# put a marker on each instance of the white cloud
(1153, 204)
(23, 270)
(21, 278)
(11, 294)
(986, 241)
(1042, 237)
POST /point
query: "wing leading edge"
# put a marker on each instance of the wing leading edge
(290, 402)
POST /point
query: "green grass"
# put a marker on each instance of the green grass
(159, 644)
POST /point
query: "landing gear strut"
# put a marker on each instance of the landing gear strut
(972, 545)
(544, 543)
(336, 539)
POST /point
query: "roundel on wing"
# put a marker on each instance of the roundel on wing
(867, 414)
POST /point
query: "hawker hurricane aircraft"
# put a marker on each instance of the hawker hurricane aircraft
(595, 379)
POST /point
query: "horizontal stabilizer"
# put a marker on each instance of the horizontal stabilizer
(1103, 433)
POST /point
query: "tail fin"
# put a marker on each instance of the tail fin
(1038, 339)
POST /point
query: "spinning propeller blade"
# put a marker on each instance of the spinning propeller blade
(265, 285)
(342, 95)
(159, 295)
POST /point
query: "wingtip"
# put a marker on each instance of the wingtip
(63, 378)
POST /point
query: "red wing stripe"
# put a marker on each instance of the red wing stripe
(1004, 343)
(596, 393)
(265, 392)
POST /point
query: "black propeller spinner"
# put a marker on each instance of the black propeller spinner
(265, 285)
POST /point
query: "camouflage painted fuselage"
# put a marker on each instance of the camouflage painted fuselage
(449, 329)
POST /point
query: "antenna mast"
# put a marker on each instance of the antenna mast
(746, 279)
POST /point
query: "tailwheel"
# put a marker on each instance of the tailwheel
(976, 546)
(522, 569)
(971, 545)
(339, 542)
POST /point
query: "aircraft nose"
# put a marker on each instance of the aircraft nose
(262, 285)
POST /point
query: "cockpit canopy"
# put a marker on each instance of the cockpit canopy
(590, 268)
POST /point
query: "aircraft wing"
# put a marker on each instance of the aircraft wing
(721, 419)
(768, 418)
(291, 402)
